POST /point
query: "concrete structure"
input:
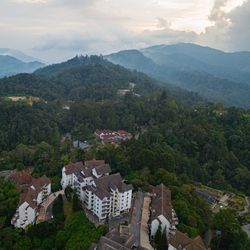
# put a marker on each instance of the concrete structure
(162, 212)
(26, 213)
(105, 195)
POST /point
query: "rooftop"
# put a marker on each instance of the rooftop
(105, 184)
(161, 202)
(85, 170)
(181, 239)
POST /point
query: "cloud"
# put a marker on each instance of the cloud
(55, 29)
(230, 30)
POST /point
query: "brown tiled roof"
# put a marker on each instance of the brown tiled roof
(69, 169)
(161, 202)
(182, 240)
(117, 239)
(94, 162)
(106, 183)
(85, 170)
(40, 182)
(21, 178)
(30, 195)
(122, 132)
(105, 131)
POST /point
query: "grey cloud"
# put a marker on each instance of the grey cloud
(231, 30)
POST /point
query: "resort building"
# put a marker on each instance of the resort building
(31, 197)
(105, 195)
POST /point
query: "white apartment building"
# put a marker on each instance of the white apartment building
(31, 198)
(105, 195)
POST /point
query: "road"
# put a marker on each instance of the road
(45, 211)
(136, 217)
(247, 207)
(144, 234)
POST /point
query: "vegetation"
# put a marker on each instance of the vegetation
(174, 143)
(8, 201)
(78, 233)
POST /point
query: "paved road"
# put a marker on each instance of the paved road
(136, 217)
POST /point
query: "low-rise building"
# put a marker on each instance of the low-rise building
(100, 134)
(164, 216)
(180, 241)
(26, 213)
(103, 194)
(115, 137)
(162, 212)
(119, 238)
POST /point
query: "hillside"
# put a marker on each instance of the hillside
(77, 79)
(10, 66)
(216, 75)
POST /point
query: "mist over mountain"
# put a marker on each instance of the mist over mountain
(214, 74)
(10, 66)
(17, 54)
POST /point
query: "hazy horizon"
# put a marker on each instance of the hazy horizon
(55, 30)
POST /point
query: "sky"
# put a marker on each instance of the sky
(54, 30)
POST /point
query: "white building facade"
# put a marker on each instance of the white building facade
(31, 198)
(104, 194)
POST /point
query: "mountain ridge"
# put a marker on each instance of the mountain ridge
(191, 71)
(10, 66)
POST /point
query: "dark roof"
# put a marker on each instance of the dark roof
(181, 239)
(104, 185)
(161, 202)
(103, 169)
(117, 239)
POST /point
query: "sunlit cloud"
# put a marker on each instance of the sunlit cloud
(55, 29)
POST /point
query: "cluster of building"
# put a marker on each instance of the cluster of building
(161, 215)
(33, 193)
(102, 193)
(109, 136)
(105, 196)
(164, 216)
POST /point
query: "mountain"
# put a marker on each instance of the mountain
(17, 54)
(77, 79)
(10, 66)
(214, 74)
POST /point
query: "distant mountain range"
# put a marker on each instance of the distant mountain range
(13, 62)
(214, 74)
(17, 54)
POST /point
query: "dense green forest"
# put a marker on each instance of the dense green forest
(205, 143)
(216, 75)
(178, 140)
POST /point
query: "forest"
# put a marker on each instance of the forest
(179, 140)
